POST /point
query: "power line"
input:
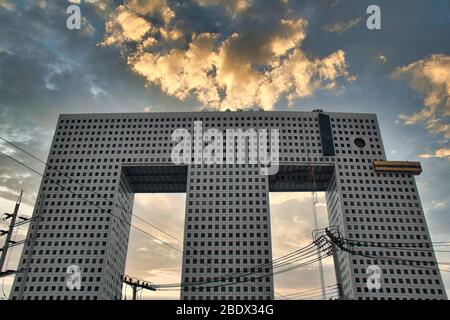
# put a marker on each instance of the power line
(311, 290)
(319, 297)
(401, 244)
(281, 262)
(269, 274)
(411, 263)
(317, 294)
(250, 273)
(374, 245)
(223, 278)
(282, 296)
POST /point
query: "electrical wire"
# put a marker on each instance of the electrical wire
(411, 263)
(311, 290)
(400, 244)
(319, 297)
(282, 261)
(269, 274)
(272, 273)
(282, 296)
(385, 244)
(328, 292)
(317, 293)
(373, 245)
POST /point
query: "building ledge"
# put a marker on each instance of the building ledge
(414, 168)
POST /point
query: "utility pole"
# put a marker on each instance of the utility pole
(137, 285)
(9, 233)
(32, 234)
(319, 254)
(337, 270)
(335, 244)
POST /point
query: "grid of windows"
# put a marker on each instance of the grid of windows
(227, 217)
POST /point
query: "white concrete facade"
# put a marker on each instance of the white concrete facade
(106, 158)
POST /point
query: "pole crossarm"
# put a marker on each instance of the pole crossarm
(331, 236)
(338, 241)
(6, 216)
(9, 273)
(8, 242)
(137, 285)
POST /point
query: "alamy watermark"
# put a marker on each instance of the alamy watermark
(73, 279)
(73, 11)
(373, 22)
(374, 278)
(249, 146)
(73, 21)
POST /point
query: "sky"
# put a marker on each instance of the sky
(164, 55)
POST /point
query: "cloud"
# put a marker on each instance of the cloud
(440, 153)
(165, 211)
(292, 224)
(127, 26)
(151, 7)
(241, 69)
(430, 77)
(335, 3)
(342, 26)
(8, 5)
(438, 204)
(380, 58)
(292, 220)
(232, 6)
(152, 260)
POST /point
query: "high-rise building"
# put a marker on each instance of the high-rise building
(99, 161)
